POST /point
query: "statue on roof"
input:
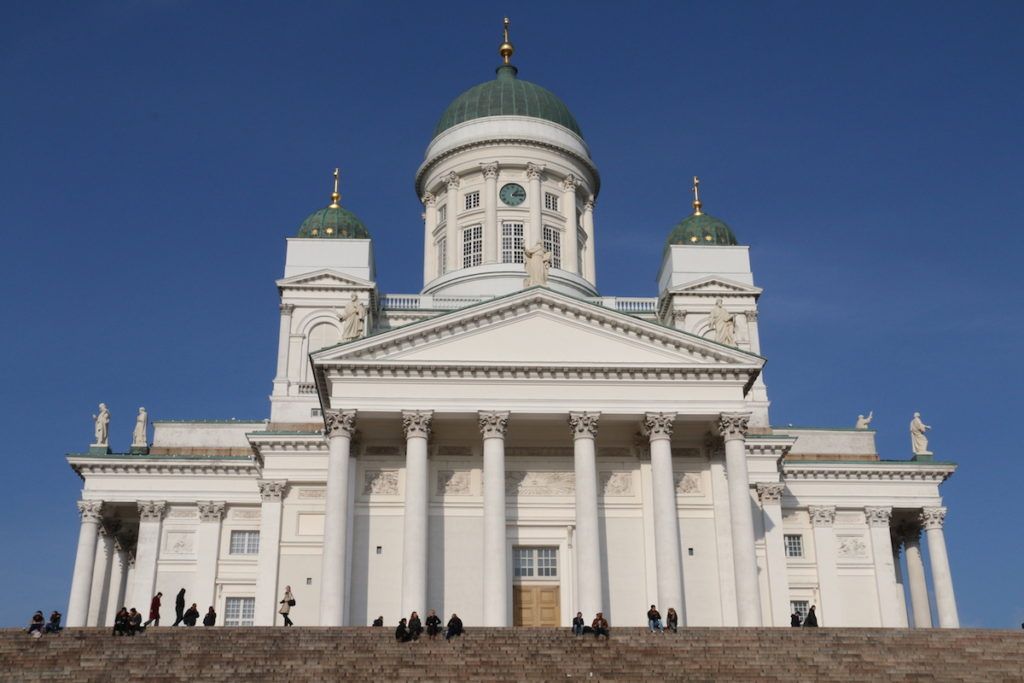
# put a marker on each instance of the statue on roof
(538, 262)
(139, 435)
(863, 422)
(102, 426)
(723, 323)
(918, 441)
(353, 320)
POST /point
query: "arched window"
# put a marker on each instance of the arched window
(322, 336)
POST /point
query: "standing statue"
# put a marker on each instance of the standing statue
(353, 320)
(918, 441)
(139, 439)
(102, 426)
(538, 262)
(723, 323)
(863, 422)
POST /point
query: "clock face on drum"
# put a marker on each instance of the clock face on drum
(512, 194)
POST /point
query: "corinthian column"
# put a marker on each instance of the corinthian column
(770, 495)
(492, 427)
(451, 223)
(118, 579)
(588, 543)
(85, 558)
(570, 247)
(147, 550)
(341, 425)
(429, 224)
(268, 560)
(534, 230)
(490, 199)
(885, 569)
(823, 517)
(101, 584)
(919, 605)
(207, 552)
(932, 519)
(590, 260)
(416, 424)
(667, 556)
(733, 428)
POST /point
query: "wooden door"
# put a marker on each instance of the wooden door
(536, 606)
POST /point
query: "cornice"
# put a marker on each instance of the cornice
(182, 465)
(882, 471)
(398, 370)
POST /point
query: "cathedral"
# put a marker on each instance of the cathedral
(510, 443)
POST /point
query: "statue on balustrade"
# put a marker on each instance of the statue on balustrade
(538, 262)
(353, 320)
(102, 426)
(865, 422)
(918, 441)
(139, 435)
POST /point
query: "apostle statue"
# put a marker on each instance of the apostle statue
(141, 429)
(538, 262)
(863, 422)
(102, 426)
(918, 441)
(723, 323)
(353, 319)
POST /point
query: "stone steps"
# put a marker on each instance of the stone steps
(703, 654)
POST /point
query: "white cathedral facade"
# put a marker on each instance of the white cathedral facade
(508, 443)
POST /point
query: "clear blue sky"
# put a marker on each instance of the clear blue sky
(156, 154)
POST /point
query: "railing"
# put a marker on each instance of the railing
(307, 388)
(632, 305)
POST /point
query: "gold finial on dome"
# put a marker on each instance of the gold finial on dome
(696, 196)
(335, 196)
(506, 48)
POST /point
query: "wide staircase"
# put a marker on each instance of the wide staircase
(700, 654)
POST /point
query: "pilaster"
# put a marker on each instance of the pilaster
(830, 611)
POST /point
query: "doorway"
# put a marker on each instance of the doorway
(536, 597)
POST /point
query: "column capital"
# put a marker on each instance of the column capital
(878, 516)
(822, 515)
(733, 425)
(428, 199)
(657, 426)
(90, 510)
(584, 424)
(493, 424)
(570, 183)
(751, 315)
(534, 171)
(489, 169)
(416, 423)
(272, 491)
(588, 205)
(452, 180)
(286, 309)
(933, 517)
(151, 510)
(340, 423)
(770, 492)
(210, 511)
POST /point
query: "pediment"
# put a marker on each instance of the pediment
(325, 278)
(715, 284)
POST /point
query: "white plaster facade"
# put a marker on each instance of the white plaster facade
(403, 470)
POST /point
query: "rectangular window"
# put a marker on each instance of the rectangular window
(472, 200)
(472, 246)
(799, 607)
(547, 561)
(550, 201)
(522, 561)
(553, 244)
(239, 611)
(511, 242)
(794, 545)
(535, 562)
(442, 262)
(442, 213)
(244, 543)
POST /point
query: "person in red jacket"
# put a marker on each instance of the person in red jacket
(154, 611)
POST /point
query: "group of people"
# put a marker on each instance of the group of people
(128, 622)
(599, 626)
(654, 620)
(413, 628)
(38, 625)
(810, 621)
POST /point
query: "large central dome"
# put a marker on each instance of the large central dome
(507, 95)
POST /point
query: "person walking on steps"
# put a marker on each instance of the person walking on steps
(154, 611)
(811, 620)
(179, 607)
(287, 602)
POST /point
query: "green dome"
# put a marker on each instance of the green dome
(700, 228)
(334, 222)
(506, 95)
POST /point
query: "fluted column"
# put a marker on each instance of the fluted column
(429, 225)
(85, 558)
(495, 602)
(919, 605)
(885, 570)
(118, 579)
(932, 519)
(733, 428)
(204, 589)
(570, 245)
(283, 344)
(268, 560)
(590, 260)
(823, 519)
(588, 542)
(451, 224)
(770, 497)
(341, 425)
(416, 424)
(901, 590)
(667, 556)
(492, 236)
(100, 591)
(534, 229)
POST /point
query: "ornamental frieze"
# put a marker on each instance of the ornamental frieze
(525, 483)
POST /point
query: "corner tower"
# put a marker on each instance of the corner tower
(507, 168)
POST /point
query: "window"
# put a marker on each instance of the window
(535, 562)
(239, 611)
(472, 200)
(794, 545)
(581, 244)
(442, 262)
(511, 242)
(244, 543)
(800, 607)
(442, 214)
(315, 412)
(322, 336)
(550, 201)
(553, 244)
(472, 246)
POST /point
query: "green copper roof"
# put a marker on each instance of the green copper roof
(334, 222)
(702, 229)
(506, 95)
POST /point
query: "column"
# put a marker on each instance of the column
(341, 425)
(919, 605)
(118, 580)
(85, 558)
(885, 570)
(590, 260)
(204, 588)
(129, 579)
(830, 611)
(416, 424)
(429, 225)
(534, 230)
(770, 496)
(570, 245)
(492, 236)
(733, 428)
(492, 427)
(451, 222)
(100, 591)
(283, 347)
(932, 519)
(901, 591)
(147, 552)
(269, 558)
(588, 542)
(667, 555)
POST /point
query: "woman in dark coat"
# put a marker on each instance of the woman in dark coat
(191, 616)
(454, 627)
(415, 626)
(121, 622)
(672, 620)
(811, 620)
(211, 617)
(433, 625)
(402, 633)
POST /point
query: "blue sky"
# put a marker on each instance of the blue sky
(156, 154)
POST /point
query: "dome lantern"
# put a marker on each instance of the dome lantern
(701, 229)
(334, 221)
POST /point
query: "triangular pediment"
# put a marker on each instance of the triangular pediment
(716, 284)
(325, 278)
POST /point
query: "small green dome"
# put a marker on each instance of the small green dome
(506, 95)
(334, 222)
(700, 228)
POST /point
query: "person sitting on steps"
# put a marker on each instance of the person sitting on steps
(672, 620)
(53, 626)
(415, 626)
(35, 627)
(378, 622)
(211, 617)
(600, 626)
(121, 622)
(191, 616)
(454, 627)
(402, 632)
(654, 620)
(578, 624)
(433, 625)
(135, 622)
